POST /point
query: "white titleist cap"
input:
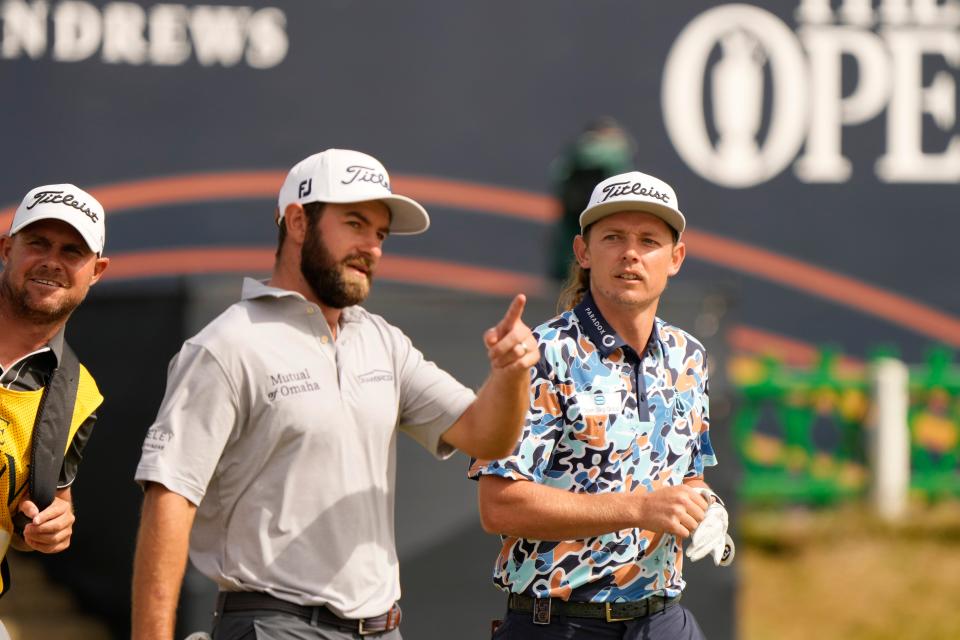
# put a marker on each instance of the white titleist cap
(64, 202)
(634, 191)
(342, 176)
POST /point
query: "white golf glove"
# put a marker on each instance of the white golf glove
(710, 537)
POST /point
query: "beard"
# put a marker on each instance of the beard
(19, 302)
(328, 278)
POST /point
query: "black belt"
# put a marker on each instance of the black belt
(242, 601)
(543, 608)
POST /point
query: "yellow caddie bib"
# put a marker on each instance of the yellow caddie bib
(18, 414)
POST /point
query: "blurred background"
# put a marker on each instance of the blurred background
(813, 147)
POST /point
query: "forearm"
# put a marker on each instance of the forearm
(530, 510)
(490, 427)
(159, 562)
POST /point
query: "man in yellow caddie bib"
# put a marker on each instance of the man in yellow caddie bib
(51, 256)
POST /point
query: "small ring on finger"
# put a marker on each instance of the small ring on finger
(523, 348)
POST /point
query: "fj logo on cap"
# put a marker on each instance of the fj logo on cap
(306, 187)
(69, 200)
(619, 189)
(359, 173)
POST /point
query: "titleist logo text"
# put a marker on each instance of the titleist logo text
(69, 200)
(358, 173)
(617, 189)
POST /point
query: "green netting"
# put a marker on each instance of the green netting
(801, 434)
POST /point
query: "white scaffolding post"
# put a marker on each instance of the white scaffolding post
(890, 442)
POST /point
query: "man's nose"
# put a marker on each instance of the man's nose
(51, 259)
(373, 247)
(631, 253)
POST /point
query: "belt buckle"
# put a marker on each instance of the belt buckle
(609, 612)
(393, 621)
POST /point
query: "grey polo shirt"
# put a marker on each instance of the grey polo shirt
(286, 439)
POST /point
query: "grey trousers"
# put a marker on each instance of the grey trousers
(270, 625)
(675, 623)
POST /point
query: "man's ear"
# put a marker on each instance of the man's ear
(581, 252)
(98, 268)
(676, 258)
(296, 220)
(6, 244)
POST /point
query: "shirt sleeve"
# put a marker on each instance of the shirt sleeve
(71, 461)
(431, 400)
(198, 414)
(542, 428)
(703, 455)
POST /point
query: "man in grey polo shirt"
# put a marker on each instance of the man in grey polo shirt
(276, 436)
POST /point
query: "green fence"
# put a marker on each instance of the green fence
(802, 433)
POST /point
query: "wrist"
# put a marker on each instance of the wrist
(635, 506)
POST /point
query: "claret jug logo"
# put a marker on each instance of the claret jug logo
(743, 93)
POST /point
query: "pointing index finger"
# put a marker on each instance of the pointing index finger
(512, 316)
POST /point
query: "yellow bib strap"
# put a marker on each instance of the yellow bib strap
(18, 417)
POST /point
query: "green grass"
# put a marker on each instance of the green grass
(842, 573)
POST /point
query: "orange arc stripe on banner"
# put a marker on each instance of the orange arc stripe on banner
(266, 184)
(705, 246)
(748, 339)
(419, 271)
(436, 273)
(832, 286)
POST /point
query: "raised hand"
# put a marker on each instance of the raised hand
(511, 345)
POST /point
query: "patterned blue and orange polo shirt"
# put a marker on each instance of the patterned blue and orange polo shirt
(604, 418)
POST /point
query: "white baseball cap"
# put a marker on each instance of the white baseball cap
(634, 191)
(343, 176)
(68, 203)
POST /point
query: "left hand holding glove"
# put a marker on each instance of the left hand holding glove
(710, 537)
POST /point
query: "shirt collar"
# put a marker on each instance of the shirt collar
(253, 289)
(606, 339)
(56, 345)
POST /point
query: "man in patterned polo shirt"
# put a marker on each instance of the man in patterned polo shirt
(607, 478)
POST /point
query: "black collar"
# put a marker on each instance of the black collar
(599, 330)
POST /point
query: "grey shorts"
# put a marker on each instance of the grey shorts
(675, 623)
(270, 625)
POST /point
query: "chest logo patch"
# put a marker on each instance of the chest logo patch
(598, 401)
(376, 375)
(283, 385)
